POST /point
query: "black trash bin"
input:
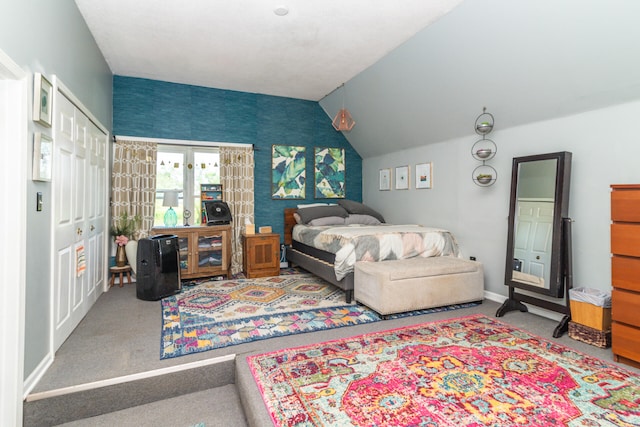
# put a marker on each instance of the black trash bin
(158, 272)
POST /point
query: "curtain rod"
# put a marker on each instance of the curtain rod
(182, 142)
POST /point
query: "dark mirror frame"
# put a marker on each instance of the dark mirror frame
(560, 211)
(561, 276)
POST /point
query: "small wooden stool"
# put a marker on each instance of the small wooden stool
(120, 270)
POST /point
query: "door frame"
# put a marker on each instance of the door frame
(13, 225)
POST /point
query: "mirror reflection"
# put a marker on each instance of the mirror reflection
(533, 222)
(538, 205)
(539, 235)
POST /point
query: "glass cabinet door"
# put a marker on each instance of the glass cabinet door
(210, 251)
(183, 244)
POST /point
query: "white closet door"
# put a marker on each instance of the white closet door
(97, 210)
(64, 232)
(78, 183)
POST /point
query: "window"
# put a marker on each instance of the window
(184, 168)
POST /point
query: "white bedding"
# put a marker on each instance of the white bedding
(352, 243)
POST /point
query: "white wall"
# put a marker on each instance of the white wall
(50, 37)
(605, 151)
(526, 61)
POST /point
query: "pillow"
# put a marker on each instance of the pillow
(362, 219)
(327, 220)
(312, 205)
(308, 214)
(354, 207)
(297, 218)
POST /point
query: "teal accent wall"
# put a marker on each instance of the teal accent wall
(155, 109)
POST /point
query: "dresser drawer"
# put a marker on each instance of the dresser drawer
(625, 341)
(625, 307)
(625, 273)
(625, 239)
(625, 205)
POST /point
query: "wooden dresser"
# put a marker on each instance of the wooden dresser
(625, 273)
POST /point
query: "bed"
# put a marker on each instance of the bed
(330, 240)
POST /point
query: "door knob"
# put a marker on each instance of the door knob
(79, 231)
(538, 257)
(92, 228)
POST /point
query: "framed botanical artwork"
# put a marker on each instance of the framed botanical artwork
(288, 172)
(385, 179)
(329, 173)
(402, 178)
(42, 100)
(42, 155)
(423, 175)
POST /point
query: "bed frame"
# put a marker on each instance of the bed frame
(313, 260)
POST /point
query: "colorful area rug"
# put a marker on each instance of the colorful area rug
(470, 371)
(217, 314)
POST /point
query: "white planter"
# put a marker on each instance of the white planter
(131, 249)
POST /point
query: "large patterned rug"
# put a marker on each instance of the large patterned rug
(470, 371)
(217, 314)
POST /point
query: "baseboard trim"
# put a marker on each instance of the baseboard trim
(492, 296)
(37, 374)
(127, 378)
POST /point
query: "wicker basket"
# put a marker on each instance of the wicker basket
(591, 315)
(589, 335)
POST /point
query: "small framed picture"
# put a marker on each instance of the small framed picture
(385, 179)
(402, 178)
(42, 100)
(42, 156)
(423, 175)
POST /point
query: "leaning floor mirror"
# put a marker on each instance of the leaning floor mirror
(538, 257)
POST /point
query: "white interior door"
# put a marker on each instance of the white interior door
(97, 210)
(532, 246)
(79, 216)
(63, 220)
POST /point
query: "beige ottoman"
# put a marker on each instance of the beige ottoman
(418, 283)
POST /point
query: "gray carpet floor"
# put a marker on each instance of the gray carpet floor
(121, 336)
(218, 407)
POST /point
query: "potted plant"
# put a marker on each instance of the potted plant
(484, 178)
(484, 127)
(123, 229)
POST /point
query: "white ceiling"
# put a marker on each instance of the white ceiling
(416, 71)
(243, 45)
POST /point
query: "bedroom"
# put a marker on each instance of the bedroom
(601, 133)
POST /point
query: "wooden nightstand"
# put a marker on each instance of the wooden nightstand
(261, 255)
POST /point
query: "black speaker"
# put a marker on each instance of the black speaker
(217, 212)
(158, 273)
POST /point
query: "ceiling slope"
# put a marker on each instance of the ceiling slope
(243, 45)
(526, 61)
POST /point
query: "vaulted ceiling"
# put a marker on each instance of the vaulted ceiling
(416, 71)
(296, 48)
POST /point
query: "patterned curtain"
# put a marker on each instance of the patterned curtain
(133, 184)
(236, 177)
